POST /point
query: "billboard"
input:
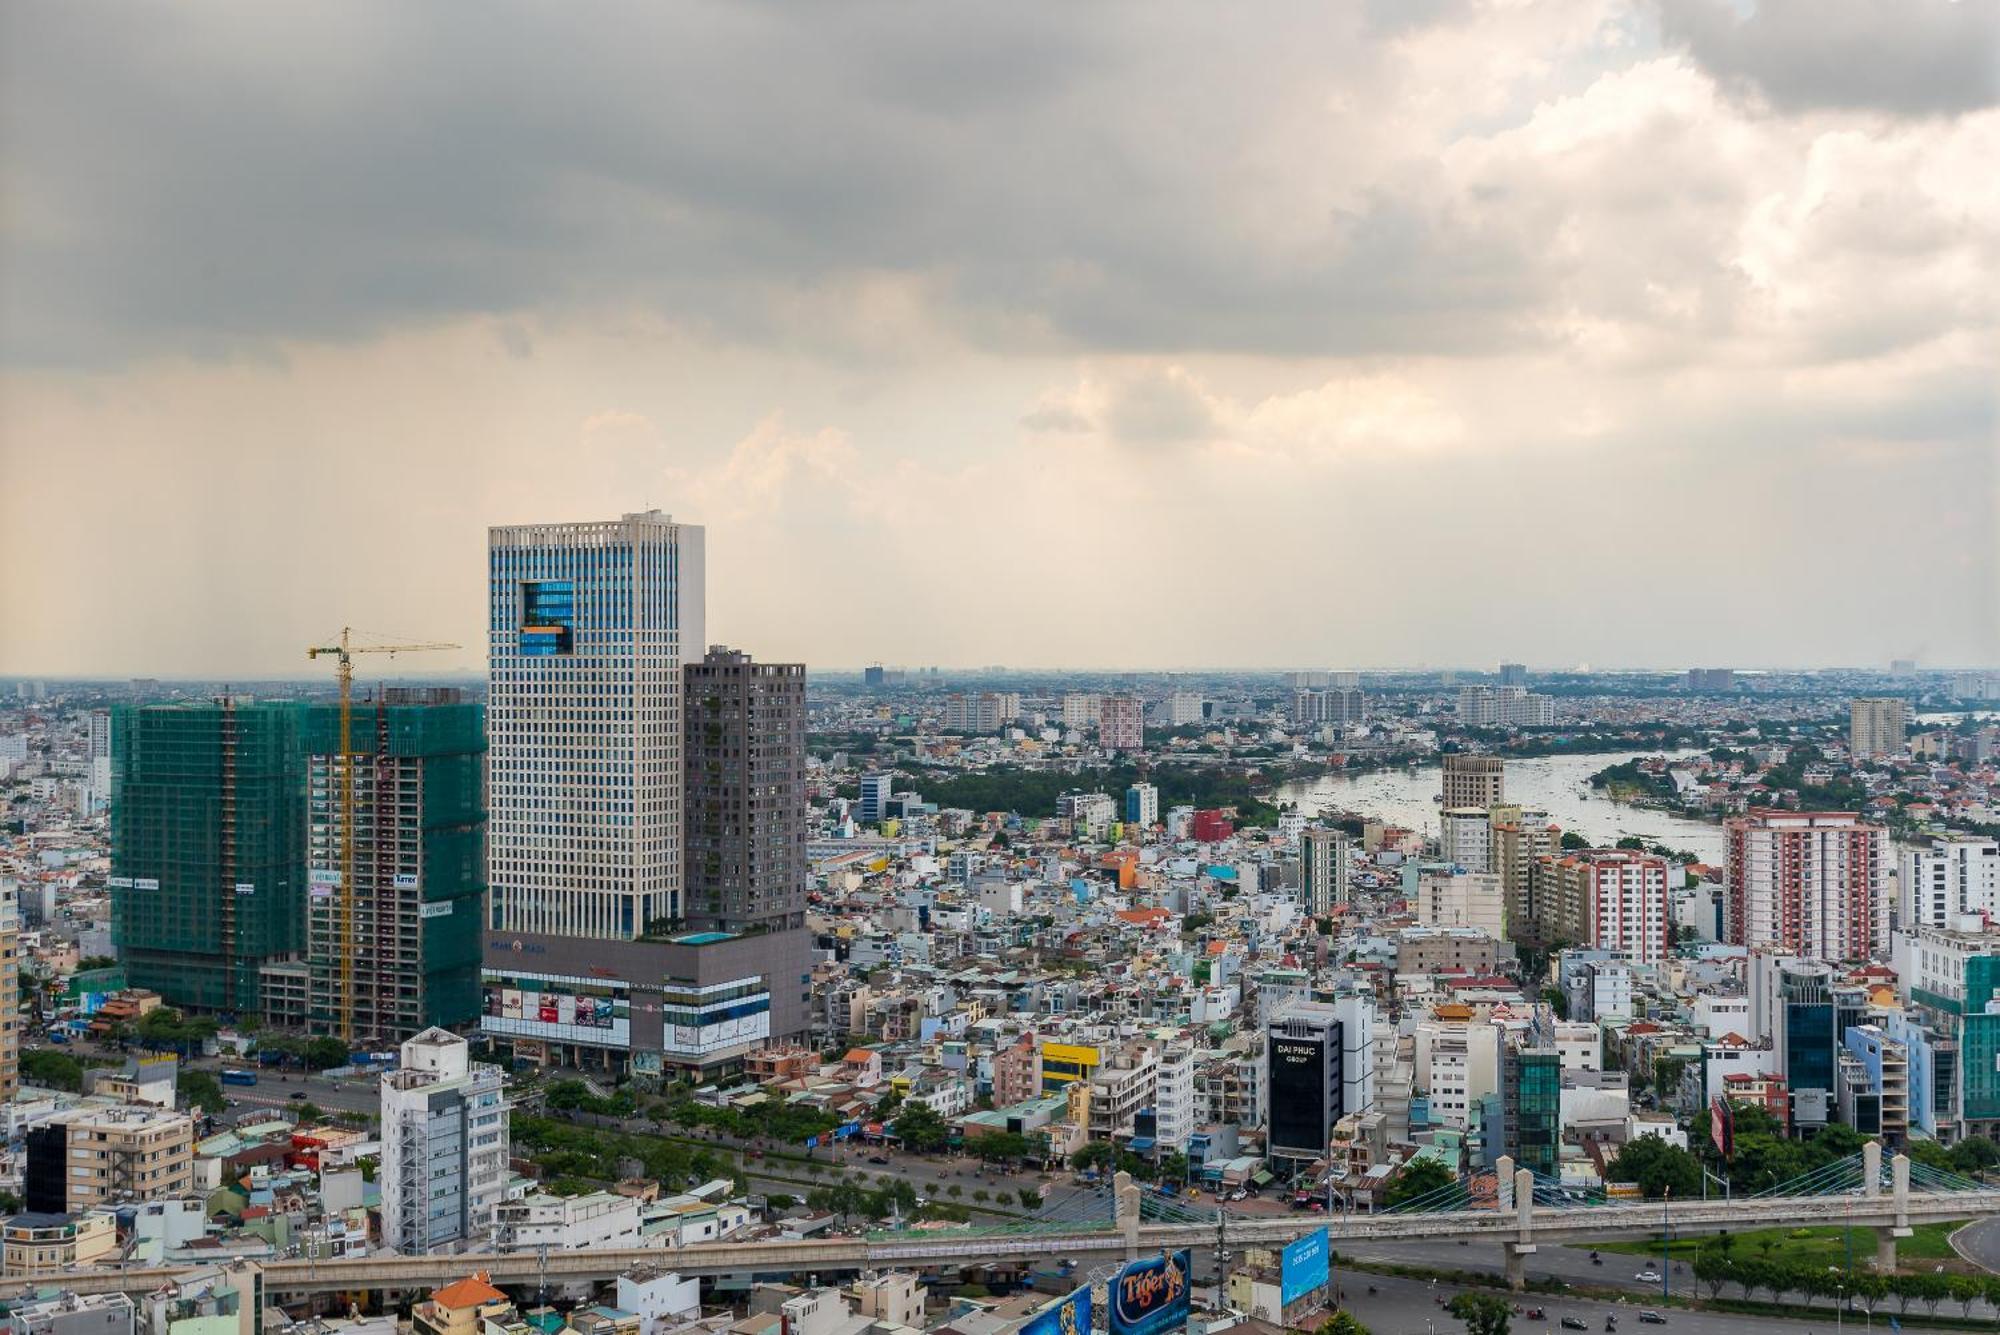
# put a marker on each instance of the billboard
(1069, 1316)
(1152, 1296)
(1303, 1266)
(1722, 1126)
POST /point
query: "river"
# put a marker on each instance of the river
(1559, 785)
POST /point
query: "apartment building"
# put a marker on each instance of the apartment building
(107, 1156)
(598, 1219)
(1809, 883)
(1876, 726)
(35, 1244)
(1473, 781)
(1951, 878)
(444, 1146)
(1123, 1084)
(1606, 899)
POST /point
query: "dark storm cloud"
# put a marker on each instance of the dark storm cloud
(1916, 57)
(199, 178)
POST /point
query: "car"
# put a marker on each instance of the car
(1650, 1318)
(1574, 1323)
(1648, 1276)
(878, 1158)
(1236, 1195)
(296, 1094)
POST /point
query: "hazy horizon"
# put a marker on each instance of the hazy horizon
(1645, 332)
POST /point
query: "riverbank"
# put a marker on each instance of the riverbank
(1558, 785)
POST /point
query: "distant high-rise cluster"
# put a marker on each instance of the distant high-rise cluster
(1310, 707)
(1876, 726)
(988, 711)
(1504, 707)
(1709, 679)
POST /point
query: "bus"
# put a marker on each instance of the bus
(234, 1076)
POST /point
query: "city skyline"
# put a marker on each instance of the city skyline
(1663, 315)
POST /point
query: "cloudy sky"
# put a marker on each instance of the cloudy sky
(1144, 334)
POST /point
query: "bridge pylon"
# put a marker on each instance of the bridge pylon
(1522, 1245)
(1126, 1210)
(1899, 1186)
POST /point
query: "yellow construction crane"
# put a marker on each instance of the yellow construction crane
(343, 655)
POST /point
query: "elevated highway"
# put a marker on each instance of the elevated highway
(1881, 1202)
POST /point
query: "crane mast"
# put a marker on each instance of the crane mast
(343, 656)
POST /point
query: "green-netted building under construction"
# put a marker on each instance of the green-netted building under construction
(228, 859)
(208, 827)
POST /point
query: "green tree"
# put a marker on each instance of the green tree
(1658, 1168)
(1173, 1167)
(1712, 1270)
(1417, 1179)
(1097, 1154)
(1572, 840)
(920, 1128)
(1975, 1154)
(51, 1070)
(200, 1089)
(1341, 1323)
(325, 1052)
(1482, 1313)
(1000, 1147)
(1030, 1198)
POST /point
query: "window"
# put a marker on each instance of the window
(548, 618)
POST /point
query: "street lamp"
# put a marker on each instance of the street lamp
(1666, 1244)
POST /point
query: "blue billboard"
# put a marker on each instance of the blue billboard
(1153, 1295)
(1070, 1316)
(1303, 1267)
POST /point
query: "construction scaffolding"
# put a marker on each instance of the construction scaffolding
(206, 831)
(397, 869)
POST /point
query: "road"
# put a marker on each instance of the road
(1409, 1307)
(328, 1095)
(1979, 1243)
(1554, 1261)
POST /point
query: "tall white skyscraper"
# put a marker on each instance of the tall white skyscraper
(590, 625)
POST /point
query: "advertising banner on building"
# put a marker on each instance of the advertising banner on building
(1303, 1266)
(1152, 1296)
(1070, 1316)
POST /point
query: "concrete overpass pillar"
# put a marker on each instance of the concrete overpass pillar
(1885, 1237)
(1523, 1244)
(1503, 1174)
(1125, 1211)
(1871, 1168)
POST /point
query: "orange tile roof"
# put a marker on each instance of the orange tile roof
(472, 1291)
